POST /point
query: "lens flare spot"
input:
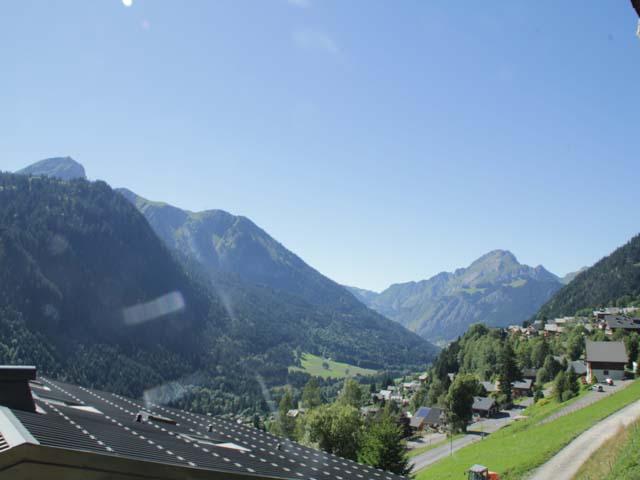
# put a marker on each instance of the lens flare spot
(127, 3)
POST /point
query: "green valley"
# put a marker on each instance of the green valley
(326, 368)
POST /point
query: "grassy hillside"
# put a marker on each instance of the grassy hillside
(525, 445)
(616, 459)
(612, 278)
(318, 366)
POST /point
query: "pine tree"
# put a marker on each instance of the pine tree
(311, 396)
(382, 446)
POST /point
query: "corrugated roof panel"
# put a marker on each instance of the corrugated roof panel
(116, 432)
(3, 444)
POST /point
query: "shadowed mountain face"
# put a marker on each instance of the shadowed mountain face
(228, 246)
(64, 168)
(274, 302)
(220, 241)
(495, 289)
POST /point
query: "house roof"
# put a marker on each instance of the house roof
(430, 415)
(611, 352)
(523, 385)
(91, 422)
(623, 322)
(489, 386)
(578, 366)
(483, 403)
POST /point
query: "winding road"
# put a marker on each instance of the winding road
(566, 463)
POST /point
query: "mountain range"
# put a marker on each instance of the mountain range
(495, 289)
(249, 303)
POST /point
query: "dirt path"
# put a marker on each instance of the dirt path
(566, 463)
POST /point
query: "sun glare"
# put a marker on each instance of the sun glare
(127, 3)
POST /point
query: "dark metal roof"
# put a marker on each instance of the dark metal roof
(431, 415)
(483, 403)
(622, 322)
(228, 447)
(578, 366)
(523, 385)
(609, 352)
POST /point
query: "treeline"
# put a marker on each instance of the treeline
(340, 428)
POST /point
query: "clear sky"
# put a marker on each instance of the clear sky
(382, 141)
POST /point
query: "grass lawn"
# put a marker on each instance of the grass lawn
(525, 445)
(313, 365)
(420, 450)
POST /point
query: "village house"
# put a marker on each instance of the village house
(553, 329)
(523, 388)
(613, 323)
(410, 387)
(295, 412)
(490, 387)
(484, 406)
(579, 367)
(431, 417)
(603, 312)
(605, 360)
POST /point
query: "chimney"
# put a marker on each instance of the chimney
(15, 391)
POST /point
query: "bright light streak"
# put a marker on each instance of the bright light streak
(143, 312)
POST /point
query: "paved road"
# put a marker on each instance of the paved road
(587, 400)
(565, 464)
(476, 431)
(425, 440)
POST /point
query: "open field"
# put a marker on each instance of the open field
(313, 365)
(527, 444)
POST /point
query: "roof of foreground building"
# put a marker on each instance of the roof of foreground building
(72, 430)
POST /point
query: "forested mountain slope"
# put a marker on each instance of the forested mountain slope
(226, 246)
(76, 255)
(615, 277)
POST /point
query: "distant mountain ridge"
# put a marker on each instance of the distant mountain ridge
(221, 241)
(570, 277)
(495, 289)
(64, 168)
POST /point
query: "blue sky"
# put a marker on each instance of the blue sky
(382, 141)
